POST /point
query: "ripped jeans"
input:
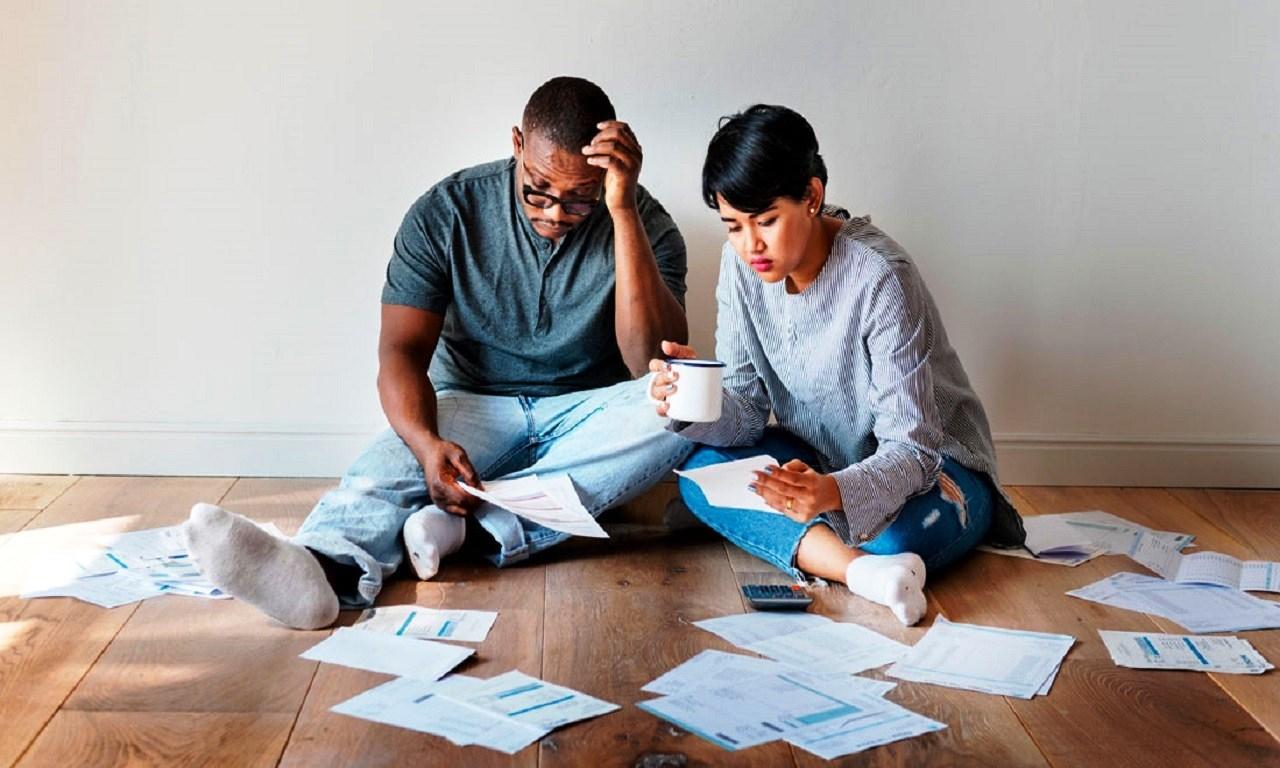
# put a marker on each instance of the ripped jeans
(940, 525)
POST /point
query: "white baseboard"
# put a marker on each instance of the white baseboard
(195, 450)
(254, 450)
(1136, 461)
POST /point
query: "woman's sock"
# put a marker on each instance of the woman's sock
(280, 578)
(429, 535)
(896, 581)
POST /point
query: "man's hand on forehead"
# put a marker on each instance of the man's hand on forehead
(616, 149)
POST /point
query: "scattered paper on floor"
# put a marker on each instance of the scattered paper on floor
(1196, 607)
(1006, 662)
(432, 623)
(391, 655)
(1152, 650)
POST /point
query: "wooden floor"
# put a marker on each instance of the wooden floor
(178, 681)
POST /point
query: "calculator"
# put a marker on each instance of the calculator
(776, 597)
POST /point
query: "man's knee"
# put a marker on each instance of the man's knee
(387, 459)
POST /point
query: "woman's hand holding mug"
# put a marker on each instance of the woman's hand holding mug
(664, 379)
(700, 396)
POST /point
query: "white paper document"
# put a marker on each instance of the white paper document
(150, 544)
(713, 669)
(1207, 567)
(388, 654)
(551, 502)
(434, 623)
(725, 485)
(1050, 539)
(108, 590)
(767, 708)
(743, 629)
(835, 647)
(1149, 650)
(435, 709)
(1196, 607)
(526, 699)
(140, 564)
(1118, 535)
(856, 732)
(1006, 662)
(505, 713)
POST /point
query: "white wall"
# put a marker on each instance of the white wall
(197, 202)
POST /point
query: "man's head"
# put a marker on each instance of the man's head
(552, 174)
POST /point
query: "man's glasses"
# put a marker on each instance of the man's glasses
(544, 201)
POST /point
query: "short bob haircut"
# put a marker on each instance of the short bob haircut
(759, 155)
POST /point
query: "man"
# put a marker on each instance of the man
(521, 298)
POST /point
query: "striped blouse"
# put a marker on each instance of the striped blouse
(858, 365)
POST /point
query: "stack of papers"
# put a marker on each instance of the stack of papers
(1005, 662)
(432, 623)
(1053, 540)
(120, 569)
(1197, 607)
(829, 717)
(725, 485)
(804, 694)
(422, 660)
(1145, 650)
(1207, 567)
(807, 641)
(505, 713)
(551, 502)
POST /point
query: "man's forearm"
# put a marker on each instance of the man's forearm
(645, 310)
(409, 401)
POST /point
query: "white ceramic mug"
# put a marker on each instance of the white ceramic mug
(697, 395)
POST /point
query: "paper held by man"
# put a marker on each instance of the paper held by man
(550, 502)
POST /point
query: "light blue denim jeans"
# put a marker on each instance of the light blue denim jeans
(610, 442)
(940, 525)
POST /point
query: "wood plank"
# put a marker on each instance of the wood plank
(154, 501)
(161, 739)
(1244, 524)
(515, 642)
(616, 620)
(14, 519)
(50, 643)
(182, 654)
(1251, 518)
(1098, 713)
(981, 730)
(283, 501)
(32, 491)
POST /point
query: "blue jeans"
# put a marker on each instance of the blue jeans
(610, 442)
(937, 528)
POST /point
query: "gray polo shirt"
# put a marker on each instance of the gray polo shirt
(523, 315)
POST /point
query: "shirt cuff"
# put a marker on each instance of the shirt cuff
(739, 424)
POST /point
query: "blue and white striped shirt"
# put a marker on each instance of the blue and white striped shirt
(858, 365)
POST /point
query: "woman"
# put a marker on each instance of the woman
(887, 467)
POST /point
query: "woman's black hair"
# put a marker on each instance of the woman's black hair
(758, 155)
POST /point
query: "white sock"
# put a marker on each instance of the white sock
(430, 534)
(896, 581)
(280, 578)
